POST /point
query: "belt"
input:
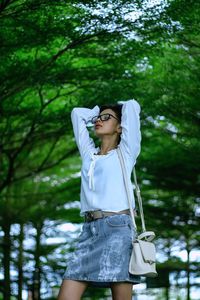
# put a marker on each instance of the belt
(99, 214)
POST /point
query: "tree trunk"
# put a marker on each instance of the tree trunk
(167, 293)
(37, 272)
(188, 272)
(6, 257)
(20, 262)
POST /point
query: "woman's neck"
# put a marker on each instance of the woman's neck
(107, 145)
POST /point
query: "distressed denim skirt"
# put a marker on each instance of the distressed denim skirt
(102, 253)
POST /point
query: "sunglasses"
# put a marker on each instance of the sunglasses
(103, 117)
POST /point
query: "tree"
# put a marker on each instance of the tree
(59, 55)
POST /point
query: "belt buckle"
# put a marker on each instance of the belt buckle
(89, 216)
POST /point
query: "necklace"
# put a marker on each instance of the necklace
(100, 151)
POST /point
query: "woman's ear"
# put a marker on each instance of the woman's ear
(119, 129)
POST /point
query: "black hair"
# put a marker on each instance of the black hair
(117, 108)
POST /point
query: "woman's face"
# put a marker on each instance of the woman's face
(110, 126)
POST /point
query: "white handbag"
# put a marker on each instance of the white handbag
(143, 256)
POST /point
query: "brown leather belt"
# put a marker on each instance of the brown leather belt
(99, 214)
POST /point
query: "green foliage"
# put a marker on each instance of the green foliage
(59, 54)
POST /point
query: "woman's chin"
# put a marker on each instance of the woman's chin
(98, 132)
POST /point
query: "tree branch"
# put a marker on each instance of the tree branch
(42, 167)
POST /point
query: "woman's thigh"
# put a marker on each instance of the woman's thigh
(122, 291)
(72, 290)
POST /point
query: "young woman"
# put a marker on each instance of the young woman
(104, 247)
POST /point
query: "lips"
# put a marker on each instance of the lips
(98, 126)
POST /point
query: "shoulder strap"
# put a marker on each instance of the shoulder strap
(139, 198)
(137, 191)
(121, 159)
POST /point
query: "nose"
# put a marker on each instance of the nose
(98, 120)
(98, 123)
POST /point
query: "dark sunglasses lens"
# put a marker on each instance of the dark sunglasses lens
(105, 117)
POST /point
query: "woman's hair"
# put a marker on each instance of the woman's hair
(117, 108)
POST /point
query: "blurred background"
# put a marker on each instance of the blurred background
(56, 55)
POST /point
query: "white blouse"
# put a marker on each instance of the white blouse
(102, 185)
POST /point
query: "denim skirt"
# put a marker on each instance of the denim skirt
(102, 253)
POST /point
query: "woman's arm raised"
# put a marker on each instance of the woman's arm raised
(131, 135)
(80, 117)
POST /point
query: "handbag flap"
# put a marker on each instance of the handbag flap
(148, 251)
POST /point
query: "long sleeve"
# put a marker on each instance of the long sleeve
(131, 135)
(80, 117)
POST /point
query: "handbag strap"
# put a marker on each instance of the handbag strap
(137, 190)
(147, 236)
(139, 198)
(121, 159)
